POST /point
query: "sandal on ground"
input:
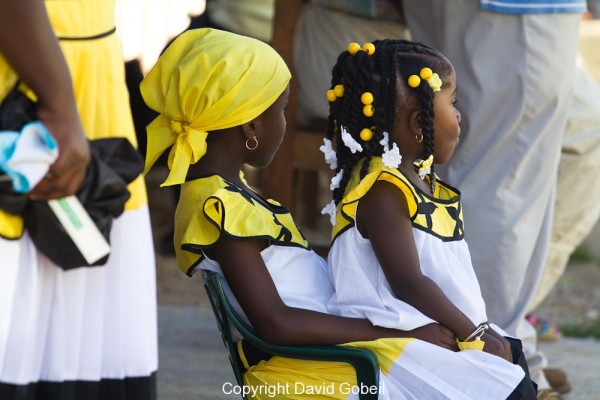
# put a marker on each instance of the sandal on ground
(548, 394)
(558, 380)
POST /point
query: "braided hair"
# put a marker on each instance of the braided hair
(384, 74)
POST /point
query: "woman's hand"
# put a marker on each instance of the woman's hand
(67, 172)
(28, 43)
(497, 345)
(436, 334)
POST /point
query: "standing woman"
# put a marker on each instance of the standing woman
(90, 332)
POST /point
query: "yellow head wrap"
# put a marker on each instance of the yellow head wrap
(207, 80)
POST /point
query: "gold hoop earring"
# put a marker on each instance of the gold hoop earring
(419, 137)
(255, 143)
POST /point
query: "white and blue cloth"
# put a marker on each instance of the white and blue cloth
(26, 156)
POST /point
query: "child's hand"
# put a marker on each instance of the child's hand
(497, 345)
(436, 334)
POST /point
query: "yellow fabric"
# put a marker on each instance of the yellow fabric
(207, 80)
(240, 350)
(386, 350)
(476, 344)
(440, 214)
(98, 75)
(11, 226)
(426, 164)
(301, 379)
(286, 379)
(212, 205)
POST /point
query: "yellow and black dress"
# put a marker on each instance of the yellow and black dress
(86, 333)
(421, 370)
(212, 206)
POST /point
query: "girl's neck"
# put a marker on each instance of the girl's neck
(223, 157)
(221, 166)
(408, 169)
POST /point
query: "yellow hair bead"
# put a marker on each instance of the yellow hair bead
(368, 110)
(366, 98)
(426, 73)
(369, 48)
(414, 81)
(353, 48)
(331, 97)
(366, 134)
(338, 90)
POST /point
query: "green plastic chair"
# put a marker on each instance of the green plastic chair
(363, 360)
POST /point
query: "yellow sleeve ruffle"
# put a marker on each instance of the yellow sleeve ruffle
(234, 212)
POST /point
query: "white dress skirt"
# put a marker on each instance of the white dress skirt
(87, 333)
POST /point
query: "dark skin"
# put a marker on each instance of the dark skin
(383, 217)
(244, 268)
(28, 43)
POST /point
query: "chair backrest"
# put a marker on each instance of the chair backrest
(362, 360)
(223, 314)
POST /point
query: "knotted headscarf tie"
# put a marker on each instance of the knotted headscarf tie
(207, 80)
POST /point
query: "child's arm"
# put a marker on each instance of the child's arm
(383, 215)
(251, 283)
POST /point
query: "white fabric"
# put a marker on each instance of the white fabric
(300, 275)
(425, 371)
(145, 27)
(83, 324)
(576, 208)
(26, 156)
(362, 290)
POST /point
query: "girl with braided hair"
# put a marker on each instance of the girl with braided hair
(398, 256)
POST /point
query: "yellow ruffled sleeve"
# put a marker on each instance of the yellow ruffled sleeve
(241, 217)
(228, 210)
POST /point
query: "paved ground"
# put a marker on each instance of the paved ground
(194, 364)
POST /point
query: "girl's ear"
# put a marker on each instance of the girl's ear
(414, 121)
(250, 129)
